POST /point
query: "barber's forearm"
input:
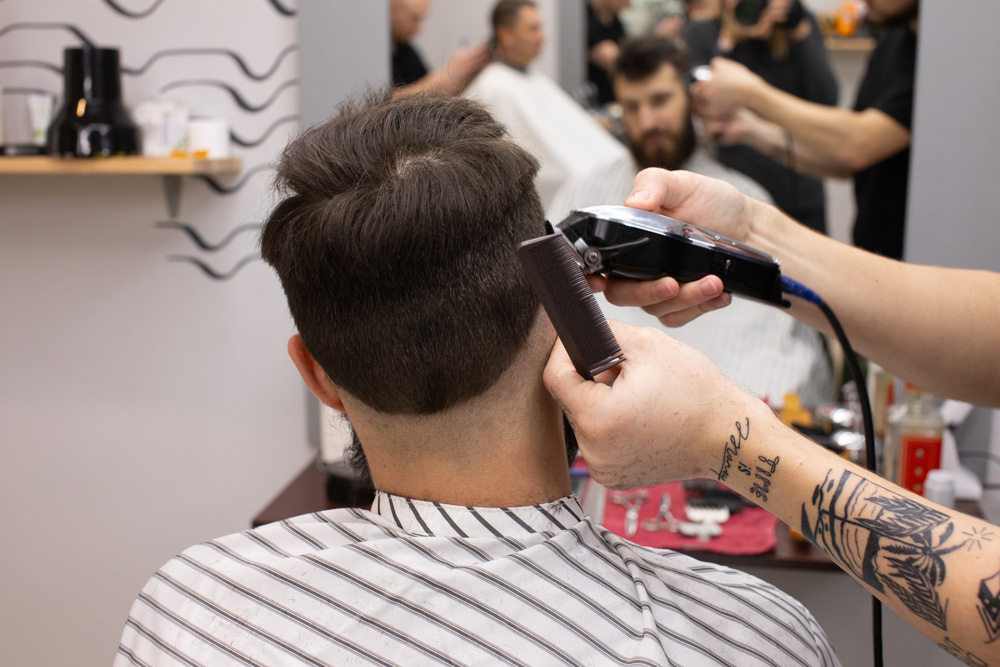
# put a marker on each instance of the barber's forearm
(826, 130)
(437, 80)
(933, 326)
(772, 140)
(925, 562)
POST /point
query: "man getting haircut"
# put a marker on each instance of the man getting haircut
(394, 241)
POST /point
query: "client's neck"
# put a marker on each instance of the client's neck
(504, 448)
(513, 61)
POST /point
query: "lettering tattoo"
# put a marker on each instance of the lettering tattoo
(763, 485)
(732, 449)
(885, 539)
(960, 653)
(745, 469)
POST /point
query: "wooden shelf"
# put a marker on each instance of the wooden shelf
(855, 44)
(122, 165)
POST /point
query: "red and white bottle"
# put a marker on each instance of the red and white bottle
(913, 441)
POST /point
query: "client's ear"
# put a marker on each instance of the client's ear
(313, 374)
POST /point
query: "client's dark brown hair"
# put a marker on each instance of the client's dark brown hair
(641, 57)
(394, 242)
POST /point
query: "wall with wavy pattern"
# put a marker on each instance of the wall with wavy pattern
(146, 400)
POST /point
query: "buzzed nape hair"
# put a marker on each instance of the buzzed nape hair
(642, 57)
(395, 244)
(505, 12)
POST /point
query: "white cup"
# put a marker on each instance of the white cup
(939, 487)
(209, 136)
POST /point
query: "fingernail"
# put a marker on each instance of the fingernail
(641, 195)
(708, 288)
(664, 289)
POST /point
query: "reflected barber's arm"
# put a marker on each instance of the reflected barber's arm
(747, 128)
(671, 415)
(456, 73)
(847, 140)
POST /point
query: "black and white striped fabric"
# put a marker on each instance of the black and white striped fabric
(419, 583)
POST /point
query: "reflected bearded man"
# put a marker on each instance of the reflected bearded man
(760, 347)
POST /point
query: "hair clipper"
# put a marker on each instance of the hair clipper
(630, 243)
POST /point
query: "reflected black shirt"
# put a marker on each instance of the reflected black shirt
(597, 32)
(407, 66)
(881, 189)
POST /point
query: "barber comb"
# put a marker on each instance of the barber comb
(556, 276)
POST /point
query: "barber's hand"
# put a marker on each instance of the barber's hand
(464, 65)
(668, 415)
(729, 88)
(773, 14)
(695, 199)
(739, 128)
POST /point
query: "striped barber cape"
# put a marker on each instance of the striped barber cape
(420, 583)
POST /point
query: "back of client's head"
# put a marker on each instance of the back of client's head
(395, 246)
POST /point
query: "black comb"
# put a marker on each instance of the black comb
(558, 280)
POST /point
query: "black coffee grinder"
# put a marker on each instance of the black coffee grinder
(92, 122)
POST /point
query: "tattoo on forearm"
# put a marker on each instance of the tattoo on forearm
(977, 536)
(732, 449)
(989, 606)
(960, 653)
(763, 476)
(890, 542)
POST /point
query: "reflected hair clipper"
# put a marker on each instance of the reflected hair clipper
(554, 271)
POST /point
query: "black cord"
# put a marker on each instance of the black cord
(869, 427)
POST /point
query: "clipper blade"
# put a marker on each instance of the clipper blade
(556, 276)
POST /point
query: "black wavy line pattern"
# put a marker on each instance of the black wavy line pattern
(243, 104)
(284, 11)
(213, 52)
(47, 26)
(200, 241)
(131, 14)
(32, 63)
(209, 271)
(247, 143)
(231, 189)
(143, 13)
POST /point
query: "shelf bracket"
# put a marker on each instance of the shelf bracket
(172, 187)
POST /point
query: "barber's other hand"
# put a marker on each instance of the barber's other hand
(729, 88)
(697, 200)
(464, 65)
(667, 416)
(674, 304)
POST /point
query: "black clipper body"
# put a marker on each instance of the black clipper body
(630, 243)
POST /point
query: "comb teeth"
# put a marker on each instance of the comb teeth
(558, 280)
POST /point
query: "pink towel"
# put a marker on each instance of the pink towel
(749, 531)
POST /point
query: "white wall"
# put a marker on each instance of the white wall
(953, 218)
(351, 60)
(144, 407)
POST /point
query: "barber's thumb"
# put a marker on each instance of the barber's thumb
(648, 189)
(564, 382)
